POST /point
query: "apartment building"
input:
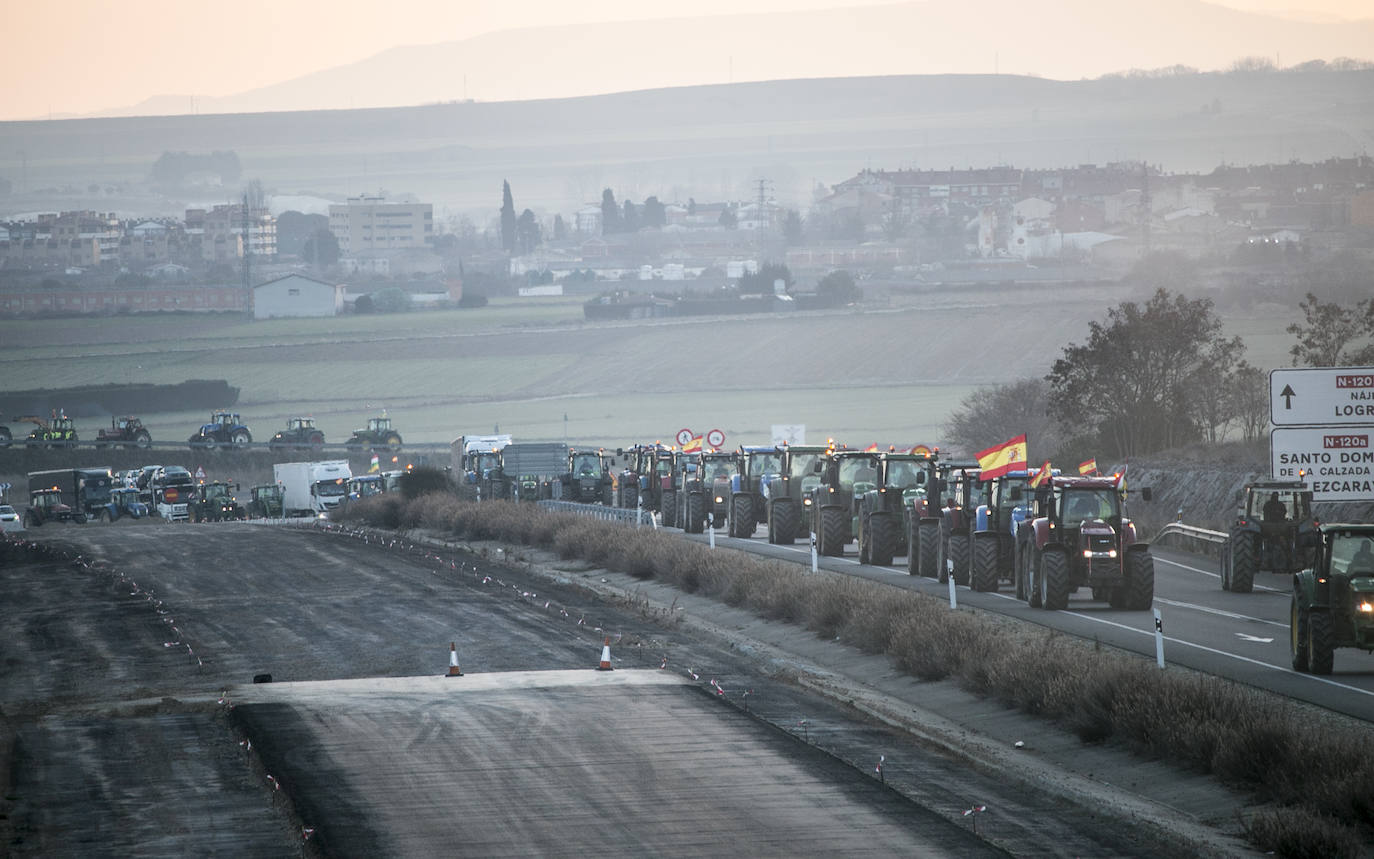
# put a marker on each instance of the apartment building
(365, 224)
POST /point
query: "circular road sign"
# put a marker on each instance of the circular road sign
(715, 438)
(684, 436)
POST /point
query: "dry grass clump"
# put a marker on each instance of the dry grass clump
(1253, 741)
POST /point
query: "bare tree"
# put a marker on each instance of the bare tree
(1249, 395)
(1328, 334)
(990, 416)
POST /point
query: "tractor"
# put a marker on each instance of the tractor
(299, 433)
(846, 475)
(1333, 601)
(589, 478)
(964, 494)
(377, 435)
(265, 501)
(46, 505)
(648, 480)
(127, 430)
(1273, 531)
(6, 438)
(124, 501)
(924, 515)
(215, 502)
(994, 535)
(1080, 537)
(760, 465)
(881, 520)
(703, 496)
(789, 493)
(223, 429)
(58, 433)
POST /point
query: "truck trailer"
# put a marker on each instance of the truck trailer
(312, 488)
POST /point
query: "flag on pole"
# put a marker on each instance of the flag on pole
(1087, 466)
(693, 446)
(1040, 476)
(1005, 457)
(1121, 479)
(376, 464)
(872, 448)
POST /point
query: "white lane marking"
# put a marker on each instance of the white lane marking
(1243, 637)
(1217, 575)
(1235, 656)
(1219, 612)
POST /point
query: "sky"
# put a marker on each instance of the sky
(81, 56)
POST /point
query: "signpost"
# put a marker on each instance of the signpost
(684, 435)
(1323, 421)
(715, 438)
(1336, 461)
(1321, 396)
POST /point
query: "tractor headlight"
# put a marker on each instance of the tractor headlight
(1366, 607)
(720, 500)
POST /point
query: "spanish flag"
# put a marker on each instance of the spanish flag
(693, 446)
(1005, 457)
(1040, 476)
(376, 464)
(872, 448)
(1087, 466)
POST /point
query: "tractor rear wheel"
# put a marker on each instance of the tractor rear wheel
(882, 530)
(317, 440)
(929, 553)
(1054, 580)
(834, 532)
(392, 441)
(959, 559)
(668, 508)
(143, 440)
(864, 539)
(983, 575)
(32, 519)
(1297, 636)
(913, 547)
(1242, 564)
(695, 513)
(741, 515)
(1321, 641)
(5, 437)
(1140, 580)
(240, 438)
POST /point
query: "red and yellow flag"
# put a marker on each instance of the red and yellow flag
(1008, 456)
(1040, 476)
(693, 446)
(1087, 466)
(872, 448)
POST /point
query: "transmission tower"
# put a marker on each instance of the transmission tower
(765, 185)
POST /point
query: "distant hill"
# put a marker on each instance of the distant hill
(1065, 40)
(710, 142)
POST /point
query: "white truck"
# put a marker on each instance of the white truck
(312, 488)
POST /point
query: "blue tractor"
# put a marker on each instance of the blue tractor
(224, 429)
(995, 528)
(759, 465)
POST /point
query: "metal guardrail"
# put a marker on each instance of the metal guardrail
(1202, 541)
(637, 516)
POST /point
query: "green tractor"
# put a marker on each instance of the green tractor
(703, 495)
(846, 476)
(377, 436)
(215, 502)
(789, 493)
(1273, 531)
(1333, 601)
(60, 432)
(881, 518)
(265, 501)
(588, 480)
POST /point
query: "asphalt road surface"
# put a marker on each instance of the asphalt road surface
(1243, 637)
(130, 725)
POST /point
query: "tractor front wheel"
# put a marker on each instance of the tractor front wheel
(784, 521)
(882, 539)
(1054, 580)
(1140, 580)
(741, 515)
(667, 508)
(832, 532)
(929, 554)
(983, 576)
(1242, 562)
(1297, 636)
(695, 513)
(1321, 641)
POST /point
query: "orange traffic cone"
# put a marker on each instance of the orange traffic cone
(453, 669)
(605, 656)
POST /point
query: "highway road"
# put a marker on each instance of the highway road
(129, 724)
(1243, 637)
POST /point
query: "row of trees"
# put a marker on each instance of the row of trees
(1155, 376)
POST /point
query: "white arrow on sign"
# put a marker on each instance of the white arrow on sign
(1243, 637)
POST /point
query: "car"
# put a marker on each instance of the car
(9, 519)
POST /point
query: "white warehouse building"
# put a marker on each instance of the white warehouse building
(297, 295)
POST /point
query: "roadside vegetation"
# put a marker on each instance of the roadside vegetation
(1316, 782)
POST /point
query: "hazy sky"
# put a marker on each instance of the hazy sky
(80, 56)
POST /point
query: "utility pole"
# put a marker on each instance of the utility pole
(1145, 205)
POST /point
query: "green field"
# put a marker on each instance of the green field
(887, 373)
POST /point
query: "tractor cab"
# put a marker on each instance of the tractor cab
(379, 426)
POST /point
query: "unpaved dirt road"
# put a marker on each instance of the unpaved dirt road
(117, 736)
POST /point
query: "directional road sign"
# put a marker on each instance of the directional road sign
(1337, 462)
(1321, 396)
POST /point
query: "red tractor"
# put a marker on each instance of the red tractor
(964, 493)
(1080, 537)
